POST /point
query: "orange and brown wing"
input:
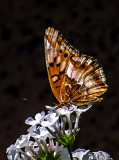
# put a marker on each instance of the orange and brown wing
(84, 81)
(74, 78)
(57, 56)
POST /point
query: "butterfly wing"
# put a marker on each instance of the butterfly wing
(84, 81)
(57, 56)
(74, 78)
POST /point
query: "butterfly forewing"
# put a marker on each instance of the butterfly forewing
(74, 78)
(57, 57)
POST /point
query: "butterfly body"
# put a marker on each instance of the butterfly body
(74, 78)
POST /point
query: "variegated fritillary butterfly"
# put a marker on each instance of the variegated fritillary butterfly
(74, 78)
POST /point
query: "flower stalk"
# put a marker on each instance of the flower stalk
(70, 153)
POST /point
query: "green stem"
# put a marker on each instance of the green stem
(69, 149)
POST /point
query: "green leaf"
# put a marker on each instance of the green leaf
(67, 140)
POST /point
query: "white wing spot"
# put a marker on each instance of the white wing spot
(62, 66)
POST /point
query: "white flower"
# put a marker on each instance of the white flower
(81, 109)
(78, 113)
(48, 136)
(13, 153)
(64, 155)
(64, 111)
(51, 124)
(100, 155)
(39, 117)
(38, 132)
(82, 154)
(23, 141)
(52, 109)
(79, 153)
(50, 120)
(11, 148)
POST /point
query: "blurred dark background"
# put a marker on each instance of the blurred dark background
(90, 26)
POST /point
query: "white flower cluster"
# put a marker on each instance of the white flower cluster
(51, 136)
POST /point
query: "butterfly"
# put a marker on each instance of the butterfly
(75, 78)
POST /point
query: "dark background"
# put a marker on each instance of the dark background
(92, 26)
